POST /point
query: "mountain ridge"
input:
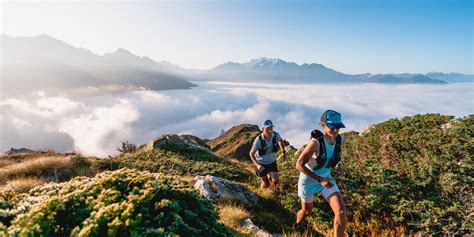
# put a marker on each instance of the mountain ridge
(27, 58)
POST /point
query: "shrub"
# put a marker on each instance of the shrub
(121, 203)
(126, 147)
(408, 176)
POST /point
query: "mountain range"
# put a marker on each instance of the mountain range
(45, 63)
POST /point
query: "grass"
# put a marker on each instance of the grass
(24, 184)
(35, 167)
(232, 215)
(5, 162)
(52, 167)
(176, 162)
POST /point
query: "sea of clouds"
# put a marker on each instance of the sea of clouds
(95, 125)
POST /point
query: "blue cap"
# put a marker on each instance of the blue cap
(332, 119)
(267, 123)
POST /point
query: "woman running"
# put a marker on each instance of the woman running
(322, 153)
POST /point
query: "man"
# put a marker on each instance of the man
(263, 154)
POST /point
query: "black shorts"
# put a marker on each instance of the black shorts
(272, 167)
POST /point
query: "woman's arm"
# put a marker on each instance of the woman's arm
(310, 149)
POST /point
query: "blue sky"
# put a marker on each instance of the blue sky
(349, 36)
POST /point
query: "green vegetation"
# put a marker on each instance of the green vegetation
(406, 176)
(176, 160)
(120, 203)
(414, 173)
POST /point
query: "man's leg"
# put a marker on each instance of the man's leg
(339, 209)
(265, 182)
(274, 178)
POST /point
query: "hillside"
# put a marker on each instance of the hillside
(236, 142)
(409, 176)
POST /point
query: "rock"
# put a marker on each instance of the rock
(236, 142)
(257, 231)
(449, 125)
(181, 142)
(14, 151)
(365, 130)
(217, 189)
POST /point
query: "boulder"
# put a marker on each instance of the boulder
(180, 142)
(217, 189)
(20, 151)
(257, 232)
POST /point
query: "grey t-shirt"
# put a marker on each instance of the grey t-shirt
(269, 156)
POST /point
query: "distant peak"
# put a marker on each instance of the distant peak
(122, 51)
(267, 60)
(46, 37)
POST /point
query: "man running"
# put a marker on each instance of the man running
(263, 154)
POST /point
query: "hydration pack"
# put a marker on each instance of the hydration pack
(263, 149)
(322, 156)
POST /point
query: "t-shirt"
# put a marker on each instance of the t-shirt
(269, 156)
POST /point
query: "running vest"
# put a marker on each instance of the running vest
(322, 157)
(263, 149)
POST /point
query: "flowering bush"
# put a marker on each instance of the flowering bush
(119, 203)
(402, 177)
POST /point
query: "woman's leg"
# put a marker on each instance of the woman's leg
(339, 209)
(306, 210)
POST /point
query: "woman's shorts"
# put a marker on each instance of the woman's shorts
(307, 190)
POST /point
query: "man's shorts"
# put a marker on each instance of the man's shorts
(306, 191)
(272, 167)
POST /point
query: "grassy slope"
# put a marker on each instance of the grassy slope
(236, 142)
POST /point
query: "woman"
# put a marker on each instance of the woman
(322, 153)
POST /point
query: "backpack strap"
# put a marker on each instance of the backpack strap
(275, 146)
(263, 145)
(336, 157)
(321, 158)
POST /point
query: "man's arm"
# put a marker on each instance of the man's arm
(281, 142)
(252, 155)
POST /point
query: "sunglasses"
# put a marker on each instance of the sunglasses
(332, 129)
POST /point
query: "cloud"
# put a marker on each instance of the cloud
(98, 132)
(95, 125)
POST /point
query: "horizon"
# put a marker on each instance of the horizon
(386, 37)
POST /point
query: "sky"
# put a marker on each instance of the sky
(96, 125)
(383, 36)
